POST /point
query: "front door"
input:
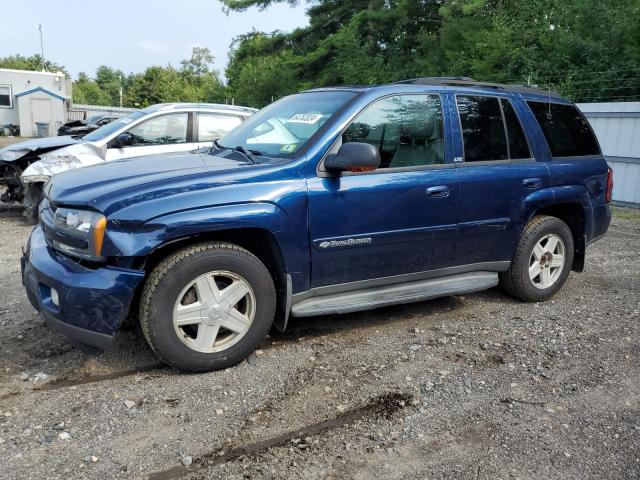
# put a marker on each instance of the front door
(161, 134)
(497, 175)
(399, 219)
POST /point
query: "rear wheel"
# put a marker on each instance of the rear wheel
(207, 307)
(542, 261)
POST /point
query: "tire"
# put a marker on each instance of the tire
(33, 195)
(213, 265)
(541, 232)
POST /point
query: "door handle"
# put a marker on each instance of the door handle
(439, 191)
(532, 182)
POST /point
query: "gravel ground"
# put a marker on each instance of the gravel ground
(478, 386)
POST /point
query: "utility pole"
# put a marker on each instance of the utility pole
(121, 81)
(39, 28)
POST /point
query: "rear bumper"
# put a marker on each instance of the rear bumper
(92, 303)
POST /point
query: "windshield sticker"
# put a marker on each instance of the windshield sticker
(289, 148)
(308, 118)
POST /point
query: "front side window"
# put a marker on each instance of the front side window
(406, 129)
(567, 132)
(482, 129)
(163, 130)
(5, 96)
(212, 126)
(286, 126)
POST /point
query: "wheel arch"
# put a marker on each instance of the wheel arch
(259, 241)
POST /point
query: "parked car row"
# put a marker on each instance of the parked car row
(329, 201)
(162, 128)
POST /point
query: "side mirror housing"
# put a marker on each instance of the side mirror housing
(353, 157)
(123, 140)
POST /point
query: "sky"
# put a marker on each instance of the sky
(131, 35)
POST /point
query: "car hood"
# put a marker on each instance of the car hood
(64, 159)
(38, 145)
(137, 179)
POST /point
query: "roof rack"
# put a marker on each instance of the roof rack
(470, 82)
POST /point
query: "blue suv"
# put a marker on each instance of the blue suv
(329, 201)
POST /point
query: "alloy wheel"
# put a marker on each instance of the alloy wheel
(547, 261)
(214, 311)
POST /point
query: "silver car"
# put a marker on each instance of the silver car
(162, 128)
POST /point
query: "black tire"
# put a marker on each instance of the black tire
(516, 281)
(172, 275)
(33, 195)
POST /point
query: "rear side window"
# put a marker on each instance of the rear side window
(518, 146)
(566, 130)
(482, 129)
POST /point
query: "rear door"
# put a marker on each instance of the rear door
(496, 174)
(398, 219)
(166, 133)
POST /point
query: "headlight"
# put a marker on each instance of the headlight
(79, 232)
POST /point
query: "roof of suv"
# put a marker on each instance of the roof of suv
(199, 106)
(464, 82)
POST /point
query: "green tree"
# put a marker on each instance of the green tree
(33, 63)
(109, 80)
(587, 49)
(87, 92)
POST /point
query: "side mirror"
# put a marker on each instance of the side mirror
(123, 140)
(353, 157)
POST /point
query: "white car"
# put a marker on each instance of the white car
(162, 128)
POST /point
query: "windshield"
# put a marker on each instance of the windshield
(106, 130)
(285, 126)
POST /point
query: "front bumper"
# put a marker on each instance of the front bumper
(92, 303)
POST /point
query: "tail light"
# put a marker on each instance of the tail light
(609, 191)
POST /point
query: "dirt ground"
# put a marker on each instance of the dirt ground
(479, 386)
(5, 141)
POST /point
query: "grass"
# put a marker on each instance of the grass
(626, 213)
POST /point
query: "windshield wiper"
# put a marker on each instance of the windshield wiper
(245, 152)
(248, 153)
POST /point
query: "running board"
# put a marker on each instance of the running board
(375, 297)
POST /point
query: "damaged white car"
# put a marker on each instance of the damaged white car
(162, 128)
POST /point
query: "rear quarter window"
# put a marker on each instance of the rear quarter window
(567, 132)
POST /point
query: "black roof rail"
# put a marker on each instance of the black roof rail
(469, 82)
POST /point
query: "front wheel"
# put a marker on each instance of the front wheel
(33, 195)
(542, 261)
(207, 307)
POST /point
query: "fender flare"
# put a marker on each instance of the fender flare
(141, 240)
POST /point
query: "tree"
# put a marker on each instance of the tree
(587, 49)
(110, 80)
(87, 92)
(200, 63)
(33, 63)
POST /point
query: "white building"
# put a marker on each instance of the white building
(617, 126)
(27, 98)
